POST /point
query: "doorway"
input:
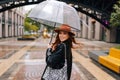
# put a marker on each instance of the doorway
(118, 35)
(3, 30)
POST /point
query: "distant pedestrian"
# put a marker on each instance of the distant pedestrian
(60, 51)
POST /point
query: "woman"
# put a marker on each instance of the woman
(64, 36)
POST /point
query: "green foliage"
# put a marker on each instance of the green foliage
(115, 16)
(29, 27)
(30, 24)
(34, 27)
(27, 19)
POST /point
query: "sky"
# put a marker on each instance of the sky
(29, 7)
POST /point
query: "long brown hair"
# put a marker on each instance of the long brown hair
(71, 40)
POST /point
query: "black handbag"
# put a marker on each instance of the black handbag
(49, 63)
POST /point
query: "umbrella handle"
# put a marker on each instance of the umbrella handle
(52, 33)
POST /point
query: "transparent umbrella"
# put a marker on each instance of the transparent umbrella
(51, 12)
(54, 13)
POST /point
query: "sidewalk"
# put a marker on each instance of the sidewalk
(94, 69)
(26, 60)
(100, 44)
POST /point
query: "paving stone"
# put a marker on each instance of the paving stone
(31, 65)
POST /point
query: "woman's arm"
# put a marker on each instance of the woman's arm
(56, 56)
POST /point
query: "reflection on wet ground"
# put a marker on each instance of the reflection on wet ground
(7, 50)
(9, 46)
(30, 71)
(32, 63)
(34, 55)
(4, 54)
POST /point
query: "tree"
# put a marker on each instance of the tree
(30, 24)
(27, 26)
(34, 28)
(115, 16)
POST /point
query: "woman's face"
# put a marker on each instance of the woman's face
(63, 35)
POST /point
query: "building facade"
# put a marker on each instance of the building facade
(93, 30)
(11, 23)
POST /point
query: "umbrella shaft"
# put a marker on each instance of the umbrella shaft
(52, 33)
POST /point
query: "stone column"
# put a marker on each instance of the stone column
(97, 31)
(22, 22)
(18, 25)
(12, 23)
(90, 31)
(6, 23)
(85, 27)
(15, 24)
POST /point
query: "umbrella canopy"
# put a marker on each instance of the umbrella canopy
(55, 12)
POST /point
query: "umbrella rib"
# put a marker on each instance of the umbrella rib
(54, 27)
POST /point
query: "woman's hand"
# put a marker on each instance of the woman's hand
(49, 45)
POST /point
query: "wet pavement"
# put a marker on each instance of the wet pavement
(25, 60)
